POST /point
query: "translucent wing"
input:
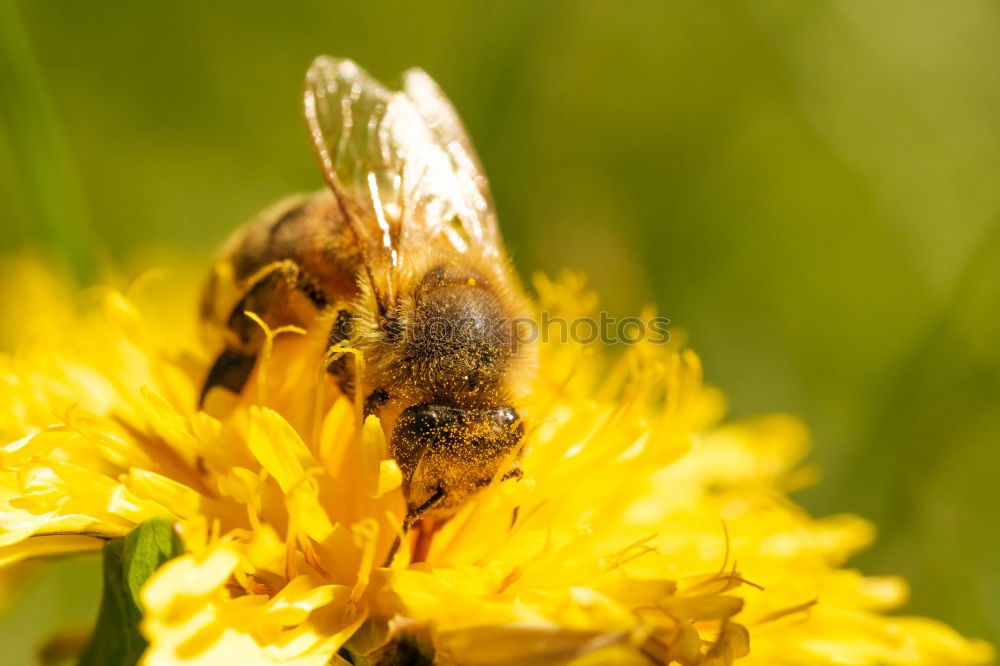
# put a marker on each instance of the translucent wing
(348, 115)
(400, 166)
(442, 120)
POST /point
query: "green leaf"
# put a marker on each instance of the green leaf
(128, 564)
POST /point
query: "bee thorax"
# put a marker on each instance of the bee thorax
(457, 340)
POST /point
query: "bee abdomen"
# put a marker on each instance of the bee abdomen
(293, 261)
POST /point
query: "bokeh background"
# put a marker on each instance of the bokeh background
(810, 190)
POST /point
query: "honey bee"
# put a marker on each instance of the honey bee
(402, 258)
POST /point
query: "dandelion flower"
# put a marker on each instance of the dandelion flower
(643, 531)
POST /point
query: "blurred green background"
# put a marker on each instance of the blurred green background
(810, 190)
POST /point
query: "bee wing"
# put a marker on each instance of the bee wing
(471, 190)
(350, 123)
(400, 166)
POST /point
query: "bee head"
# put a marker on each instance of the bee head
(451, 453)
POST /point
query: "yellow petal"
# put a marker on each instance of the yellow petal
(278, 447)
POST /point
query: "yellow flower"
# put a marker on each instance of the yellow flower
(642, 532)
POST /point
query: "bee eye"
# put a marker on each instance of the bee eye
(445, 427)
(422, 423)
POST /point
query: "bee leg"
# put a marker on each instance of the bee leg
(279, 294)
(515, 472)
(416, 514)
(392, 550)
(413, 516)
(342, 367)
(375, 399)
